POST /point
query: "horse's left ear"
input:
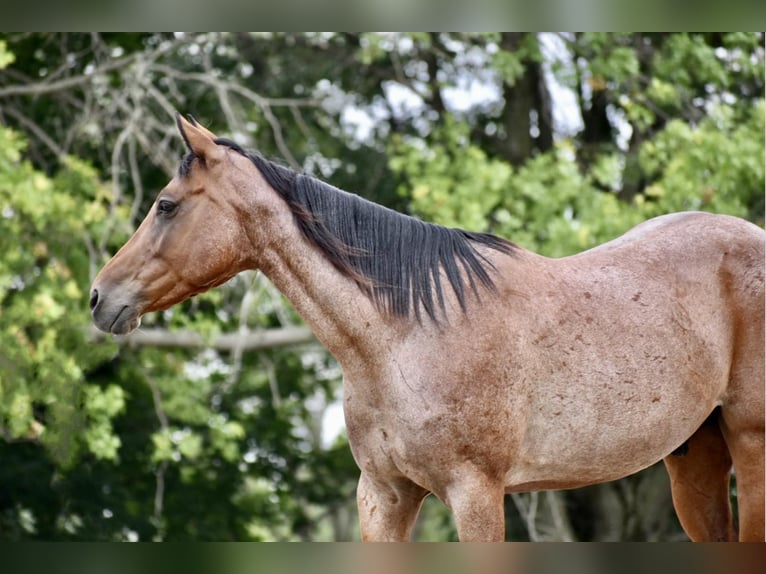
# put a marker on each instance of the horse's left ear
(199, 140)
(199, 126)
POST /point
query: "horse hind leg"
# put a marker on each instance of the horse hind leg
(699, 478)
(747, 451)
(745, 439)
(742, 410)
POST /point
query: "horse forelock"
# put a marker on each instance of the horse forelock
(396, 260)
(185, 167)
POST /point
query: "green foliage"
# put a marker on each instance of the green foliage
(716, 166)
(546, 206)
(611, 60)
(6, 57)
(450, 181)
(689, 60)
(42, 320)
(549, 205)
(102, 405)
(509, 65)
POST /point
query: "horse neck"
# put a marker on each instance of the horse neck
(333, 306)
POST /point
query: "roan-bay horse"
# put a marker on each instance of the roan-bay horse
(472, 367)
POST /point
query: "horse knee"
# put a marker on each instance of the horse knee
(387, 509)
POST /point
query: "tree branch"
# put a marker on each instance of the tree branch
(251, 341)
(36, 130)
(47, 86)
(159, 490)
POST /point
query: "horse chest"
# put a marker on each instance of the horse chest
(418, 425)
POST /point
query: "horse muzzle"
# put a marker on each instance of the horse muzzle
(112, 313)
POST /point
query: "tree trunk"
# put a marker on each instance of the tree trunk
(527, 107)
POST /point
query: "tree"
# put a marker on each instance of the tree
(557, 141)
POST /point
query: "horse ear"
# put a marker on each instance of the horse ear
(199, 126)
(199, 140)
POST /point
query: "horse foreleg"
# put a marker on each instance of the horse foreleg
(699, 480)
(387, 508)
(476, 502)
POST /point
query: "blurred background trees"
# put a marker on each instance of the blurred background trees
(557, 141)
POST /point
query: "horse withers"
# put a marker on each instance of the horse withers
(471, 366)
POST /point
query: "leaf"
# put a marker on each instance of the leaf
(6, 57)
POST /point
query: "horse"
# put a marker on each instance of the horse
(472, 367)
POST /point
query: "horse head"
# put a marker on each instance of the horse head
(190, 241)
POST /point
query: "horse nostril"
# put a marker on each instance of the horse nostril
(93, 299)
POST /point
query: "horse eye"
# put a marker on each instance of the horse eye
(166, 207)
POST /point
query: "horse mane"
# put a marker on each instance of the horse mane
(394, 258)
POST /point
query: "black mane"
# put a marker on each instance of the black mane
(394, 258)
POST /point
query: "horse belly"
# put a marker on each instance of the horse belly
(603, 411)
(579, 457)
